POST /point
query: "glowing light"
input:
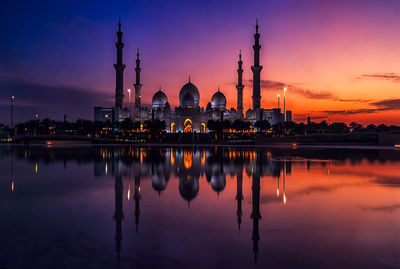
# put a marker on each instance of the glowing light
(203, 127)
(12, 186)
(129, 193)
(284, 198)
(277, 192)
(106, 169)
(203, 158)
(397, 145)
(187, 159)
(187, 126)
(36, 168)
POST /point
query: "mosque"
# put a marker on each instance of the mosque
(189, 116)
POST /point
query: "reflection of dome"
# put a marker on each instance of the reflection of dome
(159, 99)
(188, 100)
(188, 188)
(159, 183)
(218, 100)
(218, 182)
(250, 114)
(191, 89)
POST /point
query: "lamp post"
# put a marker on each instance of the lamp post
(129, 102)
(278, 95)
(12, 111)
(284, 103)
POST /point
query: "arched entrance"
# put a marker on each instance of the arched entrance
(173, 128)
(203, 128)
(187, 126)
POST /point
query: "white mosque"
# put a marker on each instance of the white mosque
(189, 116)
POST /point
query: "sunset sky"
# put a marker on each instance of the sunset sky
(337, 57)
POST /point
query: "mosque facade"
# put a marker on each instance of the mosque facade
(188, 116)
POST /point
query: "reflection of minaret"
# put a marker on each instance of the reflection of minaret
(119, 69)
(284, 184)
(239, 197)
(138, 87)
(137, 199)
(12, 171)
(119, 214)
(255, 214)
(256, 68)
(240, 87)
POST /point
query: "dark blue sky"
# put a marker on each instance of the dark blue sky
(57, 57)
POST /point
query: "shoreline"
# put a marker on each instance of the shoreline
(175, 145)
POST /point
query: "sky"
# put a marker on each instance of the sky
(337, 58)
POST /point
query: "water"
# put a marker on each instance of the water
(127, 207)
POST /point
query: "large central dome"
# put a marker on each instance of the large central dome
(191, 89)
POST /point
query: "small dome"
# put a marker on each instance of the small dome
(192, 90)
(218, 182)
(188, 188)
(188, 100)
(250, 114)
(159, 100)
(218, 100)
(159, 182)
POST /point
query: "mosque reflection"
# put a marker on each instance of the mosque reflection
(189, 165)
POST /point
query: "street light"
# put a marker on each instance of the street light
(284, 103)
(129, 102)
(12, 111)
(278, 95)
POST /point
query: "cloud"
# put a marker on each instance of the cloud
(352, 111)
(47, 100)
(300, 89)
(270, 84)
(378, 106)
(393, 77)
(387, 104)
(313, 94)
(294, 88)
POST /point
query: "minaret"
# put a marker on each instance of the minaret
(239, 197)
(137, 86)
(255, 213)
(137, 197)
(119, 214)
(240, 87)
(119, 70)
(256, 68)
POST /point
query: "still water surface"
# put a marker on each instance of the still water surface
(215, 207)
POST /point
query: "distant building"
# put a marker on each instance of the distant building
(289, 116)
(103, 114)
